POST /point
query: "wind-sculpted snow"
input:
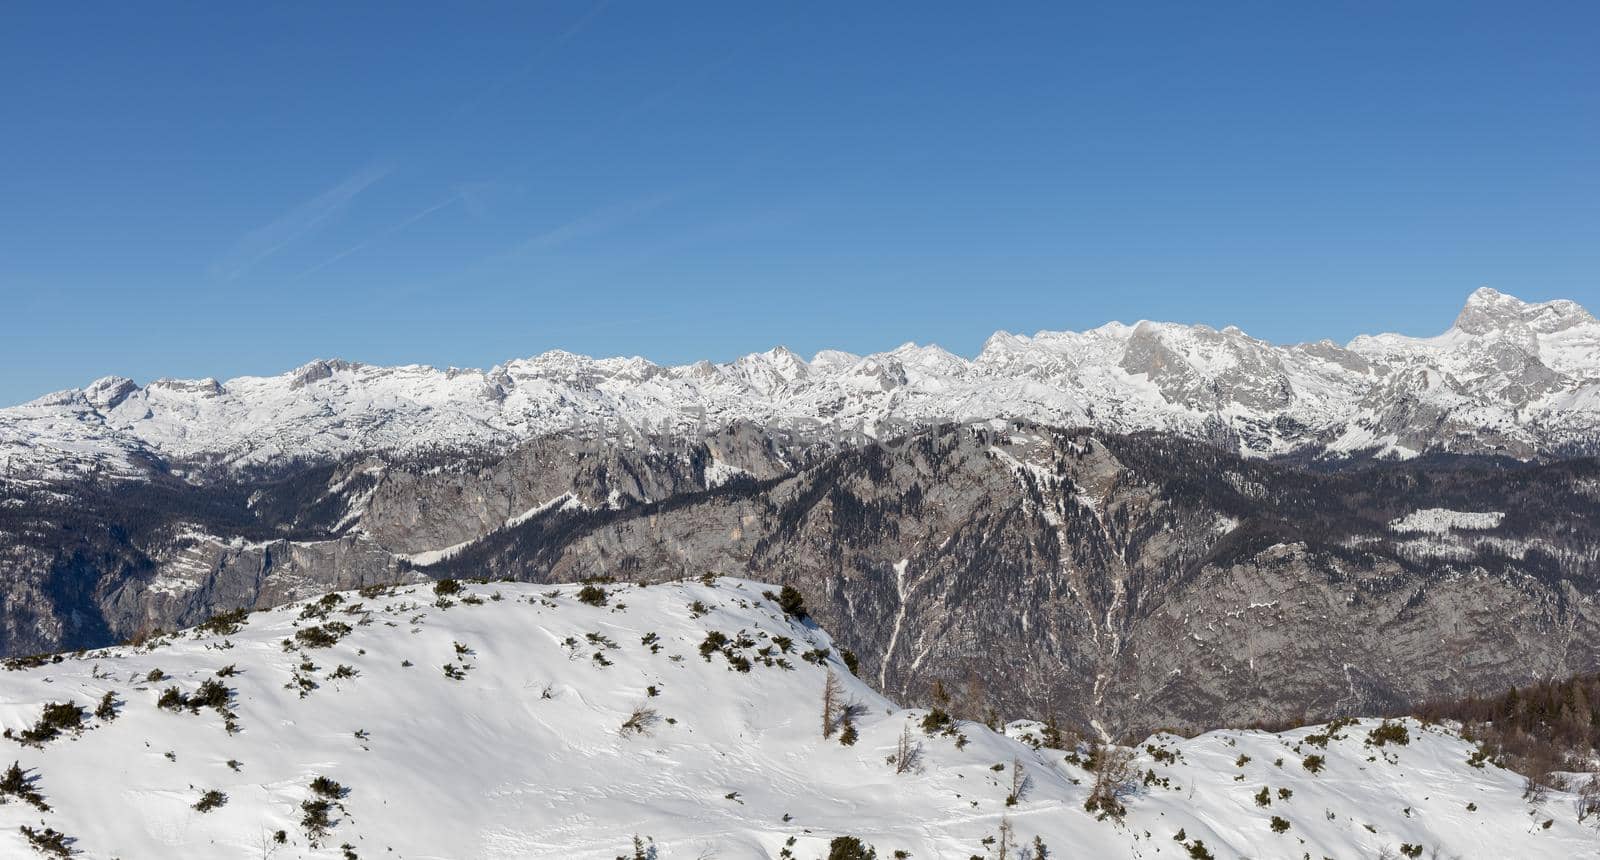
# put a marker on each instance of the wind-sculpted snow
(1509, 377)
(506, 720)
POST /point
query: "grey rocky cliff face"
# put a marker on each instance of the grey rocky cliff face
(1128, 581)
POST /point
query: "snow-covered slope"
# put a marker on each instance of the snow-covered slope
(1509, 376)
(495, 724)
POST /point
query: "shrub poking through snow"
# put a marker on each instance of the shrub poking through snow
(107, 709)
(792, 602)
(593, 595)
(323, 635)
(446, 587)
(49, 841)
(1389, 732)
(331, 789)
(225, 623)
(642, 850)
(210, 800)
(15, 782)
(57, 717)
(936, 721)
(850, 848)
(1279, 824)
(1315, 763)
(640, 721)
(316, 818)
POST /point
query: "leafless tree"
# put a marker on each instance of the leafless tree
(1113, 779)
(1588, 801)
(832, 702)
(640, 722)
(907, 753)
(1002, 846)
(1019, 783)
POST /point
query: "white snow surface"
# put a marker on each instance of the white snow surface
(524, 756)
(1442, 520)
(1527, 372)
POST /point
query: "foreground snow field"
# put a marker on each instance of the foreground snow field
(510, 720)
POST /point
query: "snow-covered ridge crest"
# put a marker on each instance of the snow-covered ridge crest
(1509, 377)
(507, 720)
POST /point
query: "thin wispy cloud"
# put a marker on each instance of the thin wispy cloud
(456, 196)
(302, 220)
(596, 223)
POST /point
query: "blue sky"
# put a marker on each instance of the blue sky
(209, 192)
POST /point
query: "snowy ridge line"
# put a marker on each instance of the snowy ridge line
(1509, 377)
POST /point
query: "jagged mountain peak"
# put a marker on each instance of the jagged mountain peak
(1511, 377)
(1489, 311)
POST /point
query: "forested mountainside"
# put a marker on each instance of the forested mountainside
(1128, 581)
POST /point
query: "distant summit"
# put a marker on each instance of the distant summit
(1509, 377)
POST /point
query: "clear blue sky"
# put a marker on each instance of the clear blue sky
(220, 189)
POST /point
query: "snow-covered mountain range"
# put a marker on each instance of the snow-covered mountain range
(1509, 377)
(510, 720)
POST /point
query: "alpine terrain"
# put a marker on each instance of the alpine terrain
(686, 719)
(1131, 528)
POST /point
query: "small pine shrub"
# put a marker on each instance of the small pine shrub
(592, 595)
(446, 587)
(316, 818)
(225, 623)
(107, 710)
(1389, 733)
(328, 788)
(792, 602)
(57, 717)
(211, 694)
(210, 800)
(1315, 763)
(850, 848)
(16, 783)
(323, 635)
(1279, 824)
(936, 721)
(172, 699)
(49, 841)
